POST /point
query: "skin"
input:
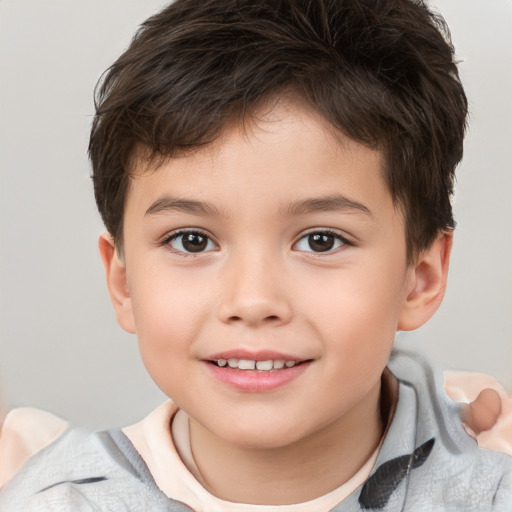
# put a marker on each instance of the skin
(482, 414)
(259, 285)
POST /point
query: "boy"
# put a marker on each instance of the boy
(275, 178)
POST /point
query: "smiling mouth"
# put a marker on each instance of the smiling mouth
(250, 364)
(265, 373)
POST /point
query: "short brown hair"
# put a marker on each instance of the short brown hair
(380, 71)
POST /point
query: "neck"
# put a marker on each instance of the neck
(282, 475)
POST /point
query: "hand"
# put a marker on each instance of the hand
(482, 414)
(486, 411)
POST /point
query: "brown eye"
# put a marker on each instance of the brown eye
(194, 242)
(190, 242)
(320, 241)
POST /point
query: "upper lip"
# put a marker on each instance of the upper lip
(254, 355)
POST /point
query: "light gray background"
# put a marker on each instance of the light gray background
(60, 346)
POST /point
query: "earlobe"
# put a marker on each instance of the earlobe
(115, 274)
(428, 283)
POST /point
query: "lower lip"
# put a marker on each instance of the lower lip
(253, 381)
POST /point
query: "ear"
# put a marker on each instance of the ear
(115, 273)
(428, 283)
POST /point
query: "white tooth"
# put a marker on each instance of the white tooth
(233, 363)
(289, 364)
(264, 365)
(221, 362)
(278, 364)
(246, 364)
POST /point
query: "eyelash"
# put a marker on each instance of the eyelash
(166, 241)
(329, 232)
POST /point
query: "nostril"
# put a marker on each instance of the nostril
(270, 318)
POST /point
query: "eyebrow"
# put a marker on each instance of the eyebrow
(168, 203)
(333, 203)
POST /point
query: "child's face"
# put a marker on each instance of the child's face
(222, 263)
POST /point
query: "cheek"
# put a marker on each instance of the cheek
(359, 300)
(168, 317)
(357, 312)
(167, 302)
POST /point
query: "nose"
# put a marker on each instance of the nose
(254, 292)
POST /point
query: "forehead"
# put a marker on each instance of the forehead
(279, 155)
